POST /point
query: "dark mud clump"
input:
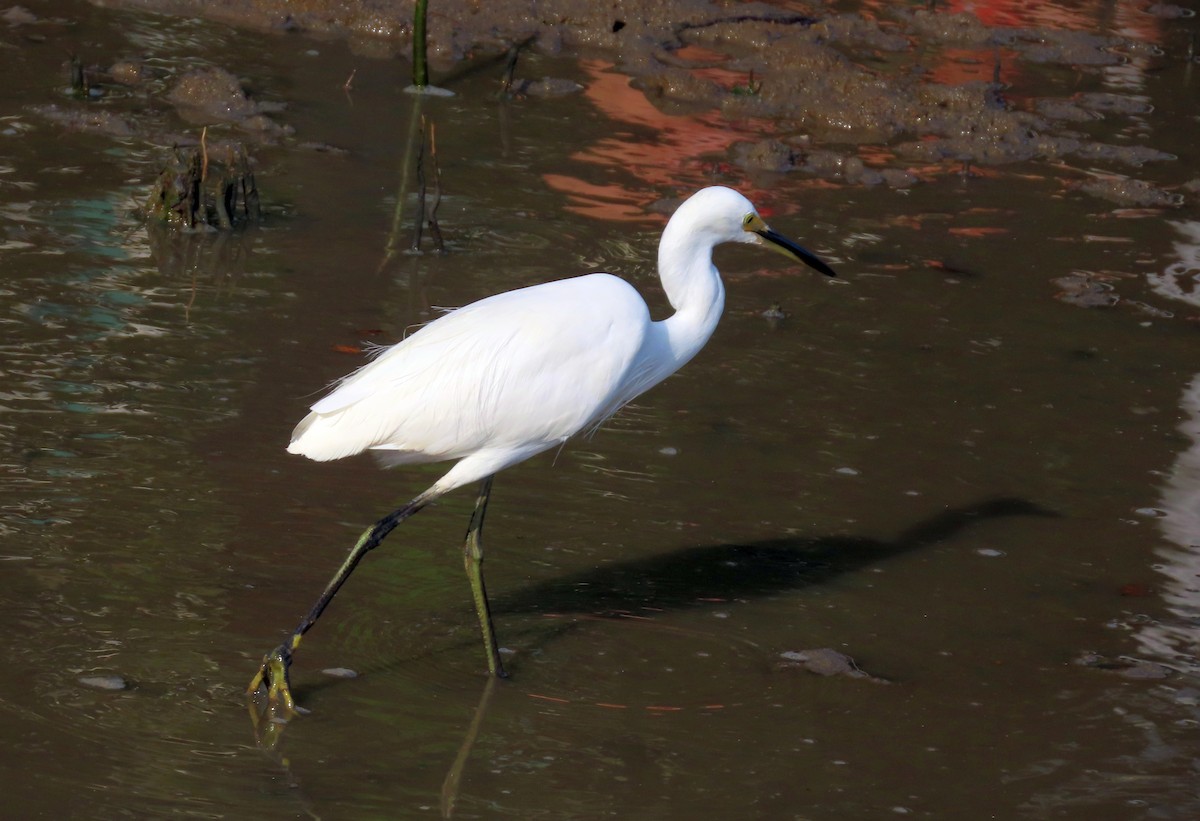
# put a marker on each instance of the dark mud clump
(778, 157)
(206, 96)
(86, 119)
(1129, 192)
(196, 191)
(212, 94)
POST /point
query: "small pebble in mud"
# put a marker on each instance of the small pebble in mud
(765, 155)
(1108, 102)
(846, 471)
(339, 672)
(825, 662)
(1082, 291)
(1125, 191)
(104, 682)
(546, 87)
(1147, 671)
(127, 72)
(775, 313)
(323, 148)
(1126, 667)
(1169, 11)
(86, 119)
(669, 451)
(898, 178)
(18, 16)
(1065, 110)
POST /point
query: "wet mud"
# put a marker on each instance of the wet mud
(842, 97)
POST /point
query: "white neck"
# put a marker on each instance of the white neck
(695, 291)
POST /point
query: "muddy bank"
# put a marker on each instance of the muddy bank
(851, 98)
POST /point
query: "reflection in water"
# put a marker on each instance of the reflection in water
(453, 782)
(1125, 17)
(1177, 640)
(209, 261)
(1181, 279)
(669, 161)
(1173, 641)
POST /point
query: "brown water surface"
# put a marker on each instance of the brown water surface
(938, 465)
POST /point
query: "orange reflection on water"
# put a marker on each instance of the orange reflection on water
(663, 151)
(614, 201)
(1125, 17)
(1128, 19)
(957, 66)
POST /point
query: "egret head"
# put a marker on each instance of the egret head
(729, 217)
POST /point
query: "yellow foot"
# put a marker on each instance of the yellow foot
(271, 718)
(273, 675)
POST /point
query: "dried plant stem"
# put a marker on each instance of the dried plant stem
(435, 230)
(204, 154)
(419, 220)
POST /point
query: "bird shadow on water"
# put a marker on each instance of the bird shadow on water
(743, 570)
(682, 578)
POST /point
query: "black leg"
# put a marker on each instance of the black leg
(274, 670)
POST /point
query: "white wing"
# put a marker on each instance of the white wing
(517, 373)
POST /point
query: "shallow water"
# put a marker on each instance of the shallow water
(934, 466)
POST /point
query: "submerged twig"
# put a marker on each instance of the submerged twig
(250, 200)
(415, 153)
(393, 241)
(204, 154)
(225, 201)
(435, 230)
(78, 86)
(510, 68)
(510, 64)
(419, 220)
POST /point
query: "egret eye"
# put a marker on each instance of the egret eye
(746, 220)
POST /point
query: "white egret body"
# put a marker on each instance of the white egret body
(502, 379)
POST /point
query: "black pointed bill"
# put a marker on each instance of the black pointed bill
(780, 243)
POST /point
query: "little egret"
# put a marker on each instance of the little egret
(518, 373)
